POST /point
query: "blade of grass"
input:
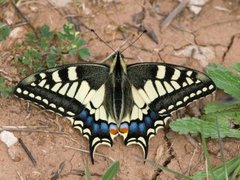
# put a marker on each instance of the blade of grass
(111, 171)
(177, 174)
(204, 146)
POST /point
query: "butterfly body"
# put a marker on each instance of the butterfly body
(103, 101)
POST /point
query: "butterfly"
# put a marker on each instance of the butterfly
(103, 101)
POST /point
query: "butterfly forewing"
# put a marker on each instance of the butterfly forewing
(166, 88)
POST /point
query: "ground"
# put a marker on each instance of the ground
(215, 29)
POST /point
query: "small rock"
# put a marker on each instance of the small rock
(8, 138)
(201, 53)
(15, 152)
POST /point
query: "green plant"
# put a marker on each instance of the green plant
(218, 121)
(4, 31)
(4, 90)
(108, 174)
(49, 47)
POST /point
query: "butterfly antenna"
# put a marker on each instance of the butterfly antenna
(144, 31)
(92, 30)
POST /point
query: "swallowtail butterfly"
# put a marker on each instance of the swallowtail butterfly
(103, 101)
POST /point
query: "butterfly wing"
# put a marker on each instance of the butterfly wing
(166, 88)
(76, 92)
(158, 90)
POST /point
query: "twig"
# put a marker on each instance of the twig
(85, 151)
(22, 16)
(34, 162)
(55, 175)
(173, 14)
(29, 129)
(19, 175)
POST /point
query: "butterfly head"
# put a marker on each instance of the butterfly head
(118, 62)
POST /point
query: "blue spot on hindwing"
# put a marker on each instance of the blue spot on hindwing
(153, 115)
(133, 127)
(104, 127)
(142, 128)
(96, 128)
(83, 115)
(148, 121)
(89, 121)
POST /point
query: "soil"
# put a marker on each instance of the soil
(54, 147)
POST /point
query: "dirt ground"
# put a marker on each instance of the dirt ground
(216, 29)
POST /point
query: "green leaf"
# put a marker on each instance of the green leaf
(4, 90)
(79, 42)
(194, 126)
(72, 52)
(45, 32)
(31, 39)
(219, 172)
(225, 79)
(221, 107)
(87, 173)
(4, 31)
(84, 53)
(111, 171)
(236, 67)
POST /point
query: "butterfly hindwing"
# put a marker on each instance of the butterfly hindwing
(141, 124)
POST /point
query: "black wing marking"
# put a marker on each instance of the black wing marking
(74, 91)
(166, 88)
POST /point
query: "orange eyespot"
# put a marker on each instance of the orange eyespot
(123, 128)
(113, 129)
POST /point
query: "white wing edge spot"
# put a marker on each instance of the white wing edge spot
(199, 92)
(204, 89)
(31, 95)
(179, 103)
(192, 95)
(45, 101)
(170, 107)
(70, 113)
(162, 111)
(19, 90)
(52, 105)
(185, 98)
(211, 87)
(61, 109)
(25, 92)
(38, 98)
